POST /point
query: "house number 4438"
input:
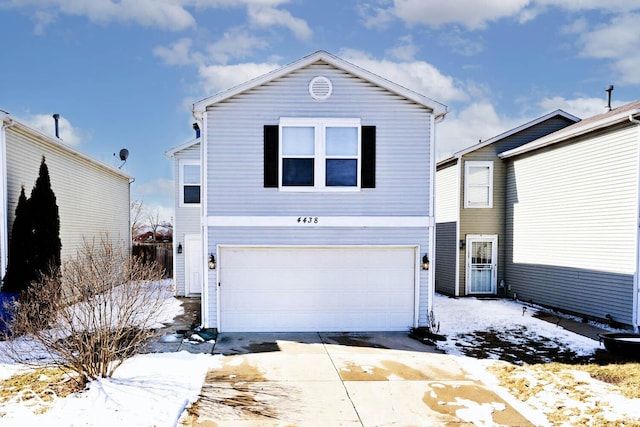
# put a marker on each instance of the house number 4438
(307, 220)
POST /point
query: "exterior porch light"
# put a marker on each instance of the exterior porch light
(179, 248)
(212, 262)
(425, 262)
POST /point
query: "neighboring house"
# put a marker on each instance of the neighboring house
(470, 210)
(188, 271)
(315, 202)
(92, 198)
(572, 204)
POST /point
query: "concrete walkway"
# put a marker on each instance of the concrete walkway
(327, 379)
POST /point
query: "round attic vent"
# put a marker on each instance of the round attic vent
(320, 88)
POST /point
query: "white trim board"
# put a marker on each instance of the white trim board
(320, 221)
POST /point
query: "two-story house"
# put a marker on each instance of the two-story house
(307, 202)
(471, 209)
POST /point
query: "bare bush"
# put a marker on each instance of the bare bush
(93, 314)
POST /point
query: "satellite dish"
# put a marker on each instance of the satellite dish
(124, 153)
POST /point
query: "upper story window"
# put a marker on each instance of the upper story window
(320, 154)
(190, 183)
(478, 184)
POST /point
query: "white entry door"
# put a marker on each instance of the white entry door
(482, 264)
(193, 264)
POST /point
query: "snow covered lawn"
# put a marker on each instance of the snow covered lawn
(155, 389)
(516, 351)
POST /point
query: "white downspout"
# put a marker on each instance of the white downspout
(4, 226)
(636, 284)
(432, 216)
(201, 119)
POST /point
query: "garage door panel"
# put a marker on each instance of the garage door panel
(317, 289)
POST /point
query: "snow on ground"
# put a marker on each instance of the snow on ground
(146, 390)
(584, 400)
(459, 316)
(154, 389)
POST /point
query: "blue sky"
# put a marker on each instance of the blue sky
(124, 74)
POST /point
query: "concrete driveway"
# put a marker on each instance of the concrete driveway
(332, 379)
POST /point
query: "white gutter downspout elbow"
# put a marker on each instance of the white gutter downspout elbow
(636, 283)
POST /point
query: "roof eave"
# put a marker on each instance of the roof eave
(171, 152)
(57, 143)
(563, 135)
(517, 129)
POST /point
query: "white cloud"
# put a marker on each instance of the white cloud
(178, 53)
(616, 40)
(405, 50)
(613, 6)
(165, 14)
(43, 19)
(472, 14)
(580, 107)
(220, 77)
(69, 135)
(418, 76)
(375, 17)
(477, 14)
(264, 16)
(477, 122)
(157, 187)
(236, 43)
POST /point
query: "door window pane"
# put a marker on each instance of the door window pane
(297, 172)
(342, 172)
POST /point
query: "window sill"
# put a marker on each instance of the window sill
(319, 189)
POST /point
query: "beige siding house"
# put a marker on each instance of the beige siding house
(572, 204)
(471, 208)
(92, 198)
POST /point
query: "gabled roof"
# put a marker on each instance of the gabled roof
(600, 121)
(10, 121)
(525, 126)
(172, 151)
(439, 110)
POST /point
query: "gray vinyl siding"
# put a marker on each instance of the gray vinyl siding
(235, 148)
(187, 218)
(234, 129)
(571, 229)
(318, 237)
(93, 200)
(446, 228)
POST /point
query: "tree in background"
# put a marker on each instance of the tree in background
(137, 217)
(19, 270)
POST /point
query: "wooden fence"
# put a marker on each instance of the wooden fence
(162, 253)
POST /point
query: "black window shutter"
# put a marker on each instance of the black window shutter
(368, 149)
(271, 156)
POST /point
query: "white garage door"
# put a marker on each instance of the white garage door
(316, 289)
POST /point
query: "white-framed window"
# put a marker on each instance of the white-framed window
(478, 184)
(190, 188)
(319, 154)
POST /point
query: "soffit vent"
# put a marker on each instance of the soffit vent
(320, 88)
